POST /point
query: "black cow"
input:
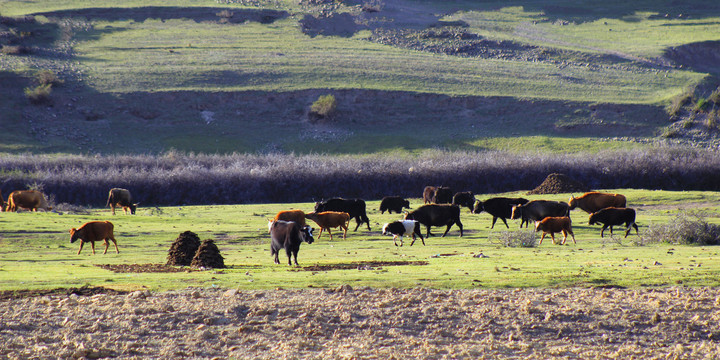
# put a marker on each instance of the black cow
(354, 207)
(437, 215)
(288, 235)
(393, 203)
(465, 198)
(121, 197)
(614, 216)
(537, 210)
(443, 195)
(498, 207)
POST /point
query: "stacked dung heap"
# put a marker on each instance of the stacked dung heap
(208, 256)
(183, 249)
(557, 184)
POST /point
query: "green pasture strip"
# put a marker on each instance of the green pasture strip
(126, 57)
(17, 8)
(35, 252)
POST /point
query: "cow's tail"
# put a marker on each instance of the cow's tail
(110, 196)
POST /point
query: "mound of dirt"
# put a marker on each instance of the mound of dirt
(557, 184)
(208, 256)
(701, 56)
(183, 250)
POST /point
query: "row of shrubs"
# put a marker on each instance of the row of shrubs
(175, 178)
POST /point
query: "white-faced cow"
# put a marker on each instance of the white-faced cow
(121, 197)
(27, 199)
(464, 198)
(393, 203)
(539, 209)
(437, 215)
(499, 208)
(288, 235)
(612, 216)
(93, 231)
(401, 228)
(552, 225)
(594, 201)
(354, 207)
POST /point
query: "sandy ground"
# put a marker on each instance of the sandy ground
(346, 323)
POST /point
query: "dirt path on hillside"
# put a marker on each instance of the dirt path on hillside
(366, 323)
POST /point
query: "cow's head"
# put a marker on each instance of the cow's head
(593, 219)
(537, 225)
(516, 212)
(133, 207)
(478, 207)
(408, 216)
(406, 204)
(319, 207)
(307, 234)
(74, 235)
(384, 230)
(572, 203)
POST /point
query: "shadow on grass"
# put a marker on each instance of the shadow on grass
(197, 14)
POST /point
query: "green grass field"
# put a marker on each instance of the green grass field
(35, 251)
(145, 75)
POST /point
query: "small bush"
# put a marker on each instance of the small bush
(520, 238)
(688, 124)
(670, 133)
(686, 228)
(713, 120)
(39, 94)
(45, 77)
(324, 106)
(677, 102)
(700, 105)
(715, 96)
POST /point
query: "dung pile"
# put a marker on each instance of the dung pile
(183, 250)
(557, 184)
(208, 256)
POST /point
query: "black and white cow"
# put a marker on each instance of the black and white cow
(288, 235)
(401, 228)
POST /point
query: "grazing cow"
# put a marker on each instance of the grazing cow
(594, 201)
(537, 210)
(297, 216)
(330, 219)
(288, 235)
(498, 207)
(612, 216)
(551, 225)
(93, 231)
(354, 207)
(465, 198)
(402, 227)
(437, 215)
(27, 199)
(121, 197)
(443, 195)
(429, 194)
(393, 203)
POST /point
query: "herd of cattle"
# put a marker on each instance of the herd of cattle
(288, 229)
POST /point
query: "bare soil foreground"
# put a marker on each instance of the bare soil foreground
(657, 323)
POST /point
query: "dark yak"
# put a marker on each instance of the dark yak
(437, 215)
(612, 216)
(499, 208)
(465, 198)
(539, 209)
(288, 235)
(393, 203)
(354, 207)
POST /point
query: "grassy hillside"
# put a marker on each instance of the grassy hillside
(221, 76)
(364, 259)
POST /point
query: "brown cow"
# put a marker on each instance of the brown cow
(297, 216)
(429, 194)
(27, 199)
(594, 201)
(330, 219)
(121, 197)
(551, 225)
(94, 231)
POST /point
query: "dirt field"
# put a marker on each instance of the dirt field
(346, 323)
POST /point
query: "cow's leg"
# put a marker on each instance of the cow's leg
(112, 207)
(541, 239)
(448, 229)
(359, 222)
(81, 245)
(552, 236)
(493, 222)
(636, 229)
(460, 225)
(320, 234)
(367, 222)
(573, 236)
(295, 257)
(603, 230)
(611, 230)
(428, 231)
(344, 232)
(288, 252)
(114, 243)
(107, 245)
(401, 240)
(275, 254)
(505, 222)
(395, 240)
(565, 234)
(330, 232)
(92, 244)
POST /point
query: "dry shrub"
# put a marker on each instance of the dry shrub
(520, 238)
(715, 96)
(39, 94)
(686, 228)
(45, 77)
(677, 102)
(713, 120)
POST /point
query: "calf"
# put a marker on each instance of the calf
(551, 225)
(393, 203)
(288, 235)
(330, 219)
(437, 215)
(94, 231)
(402, 227)
(614, 216)
(354, 207)
(539, 209)
(465, 198)
(498, 207)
